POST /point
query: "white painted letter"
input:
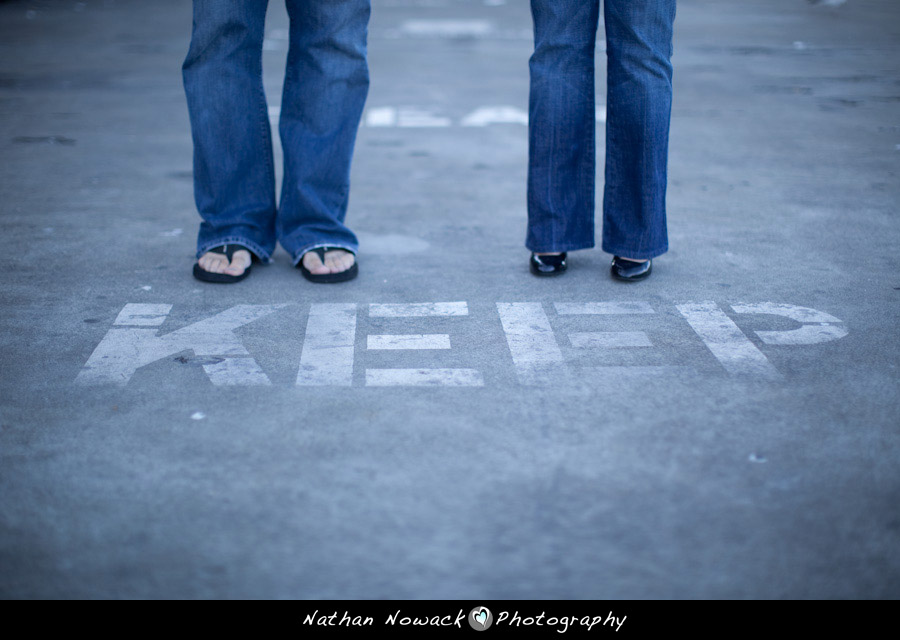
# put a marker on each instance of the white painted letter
(418, 377)
(125, 350)
(533, 346)
(606, 339)
(726, 341)
(327, 357)
(825, 329)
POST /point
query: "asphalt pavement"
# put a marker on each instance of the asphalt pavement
(448, 425)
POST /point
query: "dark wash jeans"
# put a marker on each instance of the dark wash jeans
(561, 171)
(325, 89)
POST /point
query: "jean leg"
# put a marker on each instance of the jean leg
(234, 177)
(562, 125)
(325, 90)
(639, 105)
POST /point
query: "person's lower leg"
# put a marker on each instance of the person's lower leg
(234, 181)
(639, 101)
(325, 89)
(562, 125)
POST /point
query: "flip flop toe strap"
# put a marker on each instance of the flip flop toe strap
(228, 250)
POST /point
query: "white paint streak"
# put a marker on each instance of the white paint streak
(381, 117)
(199, 415)
(415, 117)
(143, 315)
(609, 339)
(423, 378)
(242, 372)
(418, 310)
(535, 353)
(484, 116)
(408, 341)
(447, 28)
(615, 372)
(125, 350)
(602, 308)
(807, 334)
(800, 314)
(725, 340)
(327, 357)
(174, 233)
(825, 331)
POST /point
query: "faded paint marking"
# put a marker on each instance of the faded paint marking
(609, 339)
(423, 378)
(124, 350)
(143, 315)
(408, 341)
(602, 308)
(615, 372)
(381, 117)
(414, 117)
(828, 327)
(418, 310)
(535, 353)
(484, 116)
(726, 341)
(447, 28)
(327, 356)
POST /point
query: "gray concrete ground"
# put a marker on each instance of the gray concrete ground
(735, 464)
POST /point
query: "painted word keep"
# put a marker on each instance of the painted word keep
(328, 355)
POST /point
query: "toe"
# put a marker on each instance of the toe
(313, 263)
(331, 261)
(212, 262)
(338, 261)
(239, 263)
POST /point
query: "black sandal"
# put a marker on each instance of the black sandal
(228, 251)
(328, 278)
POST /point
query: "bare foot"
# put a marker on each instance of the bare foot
(336, 261)
(218, 263)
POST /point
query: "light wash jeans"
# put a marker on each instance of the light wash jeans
(561, 171)
(325, 88)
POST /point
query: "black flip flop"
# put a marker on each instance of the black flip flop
(226, 250)
(328, 278)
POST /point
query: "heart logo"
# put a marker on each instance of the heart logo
(480, 618)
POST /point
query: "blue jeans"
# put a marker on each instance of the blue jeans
(561, 170)
(325, 88)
